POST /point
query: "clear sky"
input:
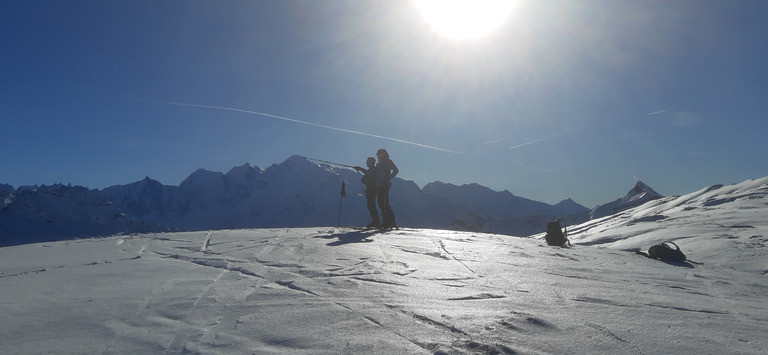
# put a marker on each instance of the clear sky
(562, 99)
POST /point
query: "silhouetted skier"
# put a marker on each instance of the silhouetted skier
(386, 170)
(369, 180)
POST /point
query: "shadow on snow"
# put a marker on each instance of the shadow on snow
(351, 237)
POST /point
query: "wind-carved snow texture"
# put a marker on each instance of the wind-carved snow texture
(408, 291)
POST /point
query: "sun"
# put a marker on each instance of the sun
(465, 19)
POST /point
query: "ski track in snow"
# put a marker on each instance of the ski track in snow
(292, 270)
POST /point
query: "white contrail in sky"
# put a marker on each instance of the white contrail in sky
(294, 121)
(657, 112)
(497, 141)
(545, 138)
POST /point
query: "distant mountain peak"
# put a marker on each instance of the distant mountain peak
(204, 177)
(641, 186)
(639, 194)
(150, 181)
(243, 172)
(295, 162)
(568, 202)
(570, 207)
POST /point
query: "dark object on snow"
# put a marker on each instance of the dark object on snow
(665, 251)
(556, 236)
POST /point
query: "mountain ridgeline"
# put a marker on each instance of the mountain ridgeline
(294, 193)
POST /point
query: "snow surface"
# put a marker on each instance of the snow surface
(332, 290)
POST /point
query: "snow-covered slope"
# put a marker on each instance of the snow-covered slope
(411, 291)
(727, 225)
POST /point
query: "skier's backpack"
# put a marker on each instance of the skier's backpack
(664, 251)
(555, 236)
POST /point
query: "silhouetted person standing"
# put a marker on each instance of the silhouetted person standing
(369, 180)
(386, 170)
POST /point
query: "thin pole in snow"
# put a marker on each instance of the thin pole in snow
(341, 198)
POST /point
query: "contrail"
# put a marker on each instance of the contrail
(497, 141)
(657, 112)
(545, 138)
(294, 121)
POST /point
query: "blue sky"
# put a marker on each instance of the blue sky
(565, 99)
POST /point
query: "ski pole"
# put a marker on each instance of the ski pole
(341, 198)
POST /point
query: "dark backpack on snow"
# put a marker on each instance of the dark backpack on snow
(665, 251)
(555, 236)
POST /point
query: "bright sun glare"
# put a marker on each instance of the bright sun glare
(462, 19)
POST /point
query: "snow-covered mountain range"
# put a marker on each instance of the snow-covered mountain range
(337, 290)
(294, 193)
